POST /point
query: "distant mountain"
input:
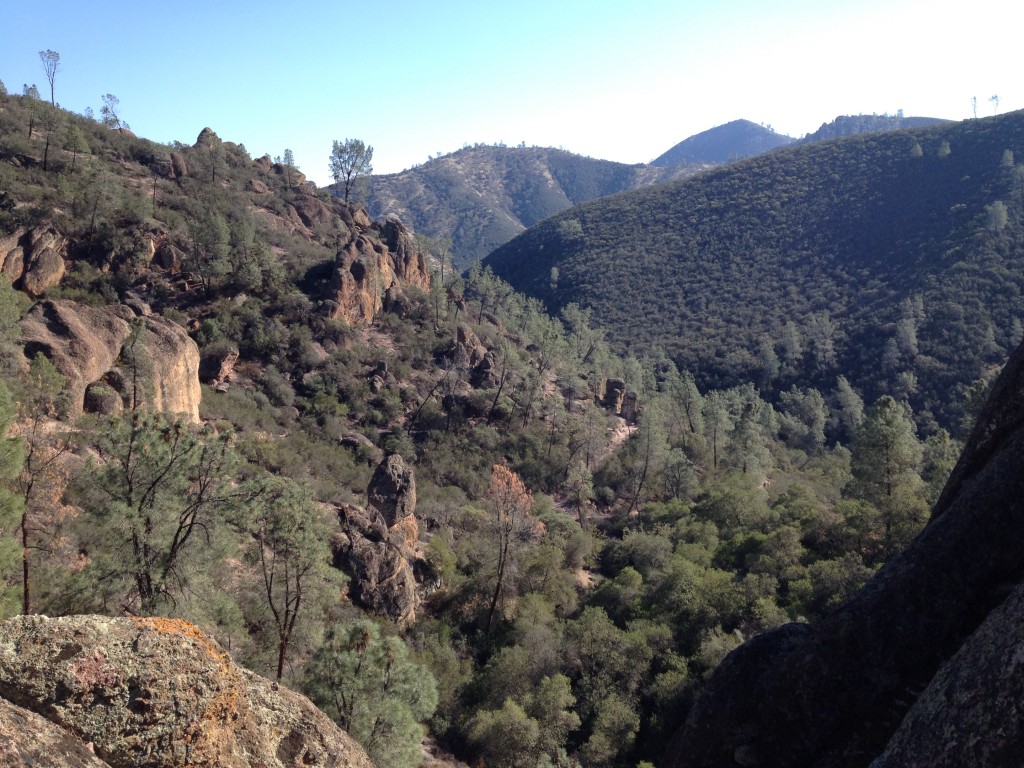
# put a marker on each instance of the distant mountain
(892, 257)
(852, 125)
(483, 196)
(726, 143)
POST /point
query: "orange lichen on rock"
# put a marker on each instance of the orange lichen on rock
(182, 628)
(159, 692)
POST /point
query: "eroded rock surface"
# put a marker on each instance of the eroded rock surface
(85, 344)
(366, 268)
(833, 694)
(33, 259)
(972, 713)
(26, 739)
(159, 693)
(377, 546)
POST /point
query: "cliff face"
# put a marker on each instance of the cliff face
(833, 694)
(159, 693)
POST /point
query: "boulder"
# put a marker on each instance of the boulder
(12, 256)
(834, 693)
(160, 693)
(100, 397)
(484, 374)
(257, 186)
(168, 257)
(84, 344)
(217, 364)
(179, 166)
(34, 257)
(26, 739)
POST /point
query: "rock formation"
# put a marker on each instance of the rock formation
(160, 693)
(392, 490)
(366, 268)
(834, 693)
(33, 259)
(86, 343)
(409, 262)
(377, 545)
(614, 394)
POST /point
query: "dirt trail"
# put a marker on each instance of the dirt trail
(616, 437)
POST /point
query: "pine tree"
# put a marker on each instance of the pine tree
(11, 457)
(370, 687)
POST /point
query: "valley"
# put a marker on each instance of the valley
(285, 478)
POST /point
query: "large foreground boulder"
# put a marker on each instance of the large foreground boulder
(161, 694)
(972, 713)
(26, 739)
(834, 693)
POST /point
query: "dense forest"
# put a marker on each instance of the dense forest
(890, 258)
(591, 532)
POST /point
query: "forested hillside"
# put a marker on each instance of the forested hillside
(229, 398)
(893, 259)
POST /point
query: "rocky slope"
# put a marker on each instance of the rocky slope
(156, 693)
(834, 693)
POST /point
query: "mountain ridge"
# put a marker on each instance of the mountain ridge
(851, 227)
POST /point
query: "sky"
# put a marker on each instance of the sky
(622, 81)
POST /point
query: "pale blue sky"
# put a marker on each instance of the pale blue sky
(613, 80)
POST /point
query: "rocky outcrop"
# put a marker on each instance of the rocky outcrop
(833, 694)
(392, 490)
(366, 268)
(206, 139)
(33, 259)
(614, 394)
(26, 739)
(409, 261)
(256, 186)
(972, 713)
(179, 166)
(312, 211)
(86, 343)
(160, 693)
(377, 546)
(217, 364)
